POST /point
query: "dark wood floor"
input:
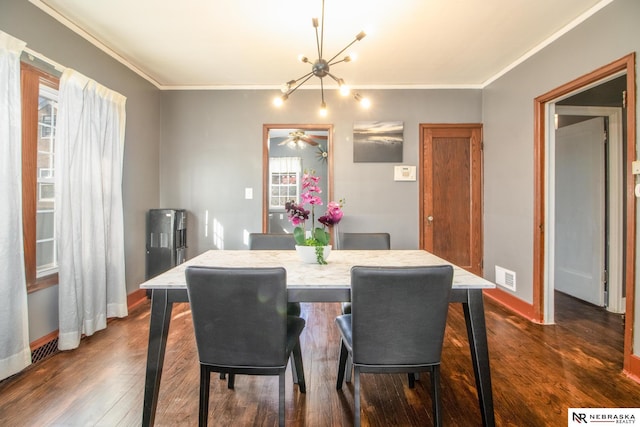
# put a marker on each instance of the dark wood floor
(538, 372)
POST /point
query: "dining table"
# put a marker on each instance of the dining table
(310, 283)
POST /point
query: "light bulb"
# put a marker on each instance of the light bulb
(345, 90)
(364, 102)
(278, 101)
(323, 109)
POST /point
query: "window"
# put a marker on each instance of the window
(39, 113)
(284, 182)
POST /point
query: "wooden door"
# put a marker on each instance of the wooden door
(451, 193)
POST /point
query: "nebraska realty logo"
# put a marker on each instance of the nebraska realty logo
(582, 416)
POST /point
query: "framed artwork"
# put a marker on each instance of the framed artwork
(375, 141)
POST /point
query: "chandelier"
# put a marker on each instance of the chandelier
(321, 69)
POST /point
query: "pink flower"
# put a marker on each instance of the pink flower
(334, 209)
(308, 198)
(332, 216)
(298, 214)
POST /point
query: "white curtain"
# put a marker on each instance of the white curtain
(89, 224)
(15, 354)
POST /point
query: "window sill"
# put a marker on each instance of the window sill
(42, 283)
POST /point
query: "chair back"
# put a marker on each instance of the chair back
(239, 315)
(362, 241)
(399, 314)
(268, 241)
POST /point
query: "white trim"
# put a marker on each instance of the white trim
(94, 41)
(564, 30)
(326, 87)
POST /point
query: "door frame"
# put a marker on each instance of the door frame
(476, 187)
(625, 64)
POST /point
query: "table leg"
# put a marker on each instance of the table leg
(160, 318)
(477, 332)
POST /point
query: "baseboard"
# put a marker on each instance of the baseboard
(136, 298)
(632, 370)
(512, 303)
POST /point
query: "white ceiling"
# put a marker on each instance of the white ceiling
(222, 44)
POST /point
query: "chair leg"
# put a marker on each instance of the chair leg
(356, 397)
(297, 367)
(281, 399)
(435, 395)
(342, 361)
(294, 370)
(412, 380)
(231, 381)
(348, 369)
(205, 383)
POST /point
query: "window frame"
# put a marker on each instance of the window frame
(30, 80)
(289, 168)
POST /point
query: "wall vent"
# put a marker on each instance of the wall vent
(506, 278)
(47, 349)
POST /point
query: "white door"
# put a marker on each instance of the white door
(580, 210)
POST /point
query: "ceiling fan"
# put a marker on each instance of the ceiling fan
(297, 137)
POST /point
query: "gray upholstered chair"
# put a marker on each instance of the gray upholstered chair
(270, 241)
(362, 241)
(241, 326)
(397, 325)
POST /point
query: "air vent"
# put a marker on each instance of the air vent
(48, 349)
(506, 278)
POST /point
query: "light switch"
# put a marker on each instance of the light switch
(248, 193)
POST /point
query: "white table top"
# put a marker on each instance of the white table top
(337, 273)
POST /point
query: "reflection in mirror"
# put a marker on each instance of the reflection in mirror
(289, 151)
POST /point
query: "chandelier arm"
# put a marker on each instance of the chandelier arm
(345, 48)
(337, 79)
(308, 76)
(337, 62)
(318, 43)
(322, 90)
(321, 48)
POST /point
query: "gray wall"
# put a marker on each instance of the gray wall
(212, 150)
(141, 156)
(508, 133)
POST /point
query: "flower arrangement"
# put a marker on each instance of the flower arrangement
(298, 215)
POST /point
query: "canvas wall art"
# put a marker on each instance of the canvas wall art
(378, 141)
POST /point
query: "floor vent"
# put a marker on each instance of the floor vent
(48, 349)
(506, 278)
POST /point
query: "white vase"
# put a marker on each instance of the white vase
(308, 253)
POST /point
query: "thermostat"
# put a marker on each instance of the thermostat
(404, 173)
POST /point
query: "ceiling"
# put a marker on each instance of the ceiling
(240, 44)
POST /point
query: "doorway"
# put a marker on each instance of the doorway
(544, 132)
(451, 193)
(588, 194)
